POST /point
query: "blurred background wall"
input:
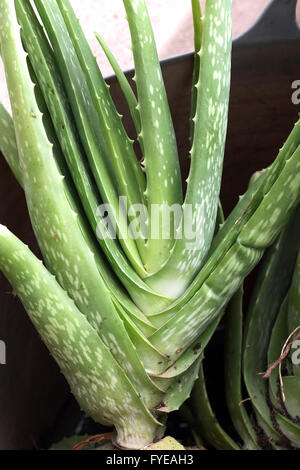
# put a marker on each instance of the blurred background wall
(172, 22)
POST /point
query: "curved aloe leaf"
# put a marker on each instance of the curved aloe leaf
(276, 425)
(97, 381)
(277, 340)
(220, 285)
(285, 393)
(207, 154)
(127, 171)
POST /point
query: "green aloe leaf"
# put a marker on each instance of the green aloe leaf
(93, 136)
(290, 429)
(127, 171)
(206, 422)
(187, 255)
(242, 212)
(233, 372)
(291, 387)
(277, 340)
(159, 141)
(246, 206)
(285, 394)
(97, 381)
(237, 254)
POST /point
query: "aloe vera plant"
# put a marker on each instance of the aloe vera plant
(125, 313)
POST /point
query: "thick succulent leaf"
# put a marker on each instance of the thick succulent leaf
(48, 76)
(207, 153)
(242, 212)
(159, 141)
(206, 422)
(8, 145)
(86, 116)
(127, 172)
(205, 306)
(97, 381)
(125, 87)
(64, 241)
(222, 242)
(233, 372)
(245, 252)
(272, 283)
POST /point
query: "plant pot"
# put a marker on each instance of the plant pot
(32, 390)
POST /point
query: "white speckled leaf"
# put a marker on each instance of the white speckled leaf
(192, 320)
(285, 165)
(126, 171)
(96, 380)
(187, 359)
(159, 141)
(220, 285)
(221, 244)
(87, 120)
(207, 152)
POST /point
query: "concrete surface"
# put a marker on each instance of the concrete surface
(172, 23)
